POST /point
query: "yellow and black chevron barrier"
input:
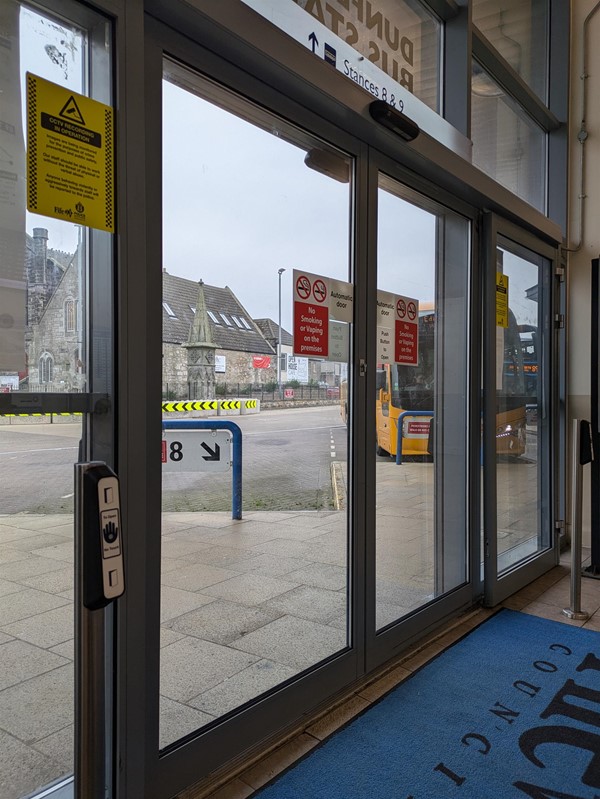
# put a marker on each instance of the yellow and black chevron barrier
(189, 405)
(50, 413)
(230, 405)
(250, 403)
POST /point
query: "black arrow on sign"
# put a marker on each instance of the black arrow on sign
(313, 40)
(213, 455)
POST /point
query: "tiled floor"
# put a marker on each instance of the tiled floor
(546, 597)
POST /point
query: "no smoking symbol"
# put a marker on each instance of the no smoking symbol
(319, 291)
(412, 310)
(303, 287)
(401, 309)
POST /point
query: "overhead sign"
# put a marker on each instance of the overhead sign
(501, 300)
(330, 29)
(317, 300)
(70, 155)
(397, 329)
(196, 450)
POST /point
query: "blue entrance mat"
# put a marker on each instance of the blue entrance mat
(512, 710)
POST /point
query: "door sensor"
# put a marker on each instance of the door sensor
(395, 121)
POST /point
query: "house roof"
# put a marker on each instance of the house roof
(270, 331)
(232, 326)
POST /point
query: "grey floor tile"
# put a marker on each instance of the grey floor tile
(293, 642)
(307, 602)
(8, 587)
(173, 548)
(60, 747)
(46, 629)
(22, 769)
(270, 565)
(65, 650)
(40, 706)
(242, 687)
(250, 588)
(9, 554)
(321, 575)
(177, 720)
(39, 541)
(196, 577)
(20, 661)
(222, 622)
(191, 665)
(27, 602)
(53, 582)
(64, 552)
(28, 568)
(175, 602)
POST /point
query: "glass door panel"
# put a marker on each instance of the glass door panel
(421, 410)
(523, 529)
(248, 603)
(519, 543)
(48, 365)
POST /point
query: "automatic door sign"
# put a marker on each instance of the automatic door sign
(70, 155)
(196, 451)
(397, 329)
(317, 300)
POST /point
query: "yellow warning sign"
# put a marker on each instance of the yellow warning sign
(70, 155)
(501, 300)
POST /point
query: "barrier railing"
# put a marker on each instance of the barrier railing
(400, 434)
(219, 424)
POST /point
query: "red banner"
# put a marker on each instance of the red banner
(261, 361)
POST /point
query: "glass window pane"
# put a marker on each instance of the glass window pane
(421, 423)
(249, 604)
(375, 44)
(507, 144)
(45, 345)
(518, 29)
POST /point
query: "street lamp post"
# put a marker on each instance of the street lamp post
(279, 272)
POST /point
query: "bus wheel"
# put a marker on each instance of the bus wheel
(382, 452)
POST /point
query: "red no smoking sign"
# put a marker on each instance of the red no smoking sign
(311, 315)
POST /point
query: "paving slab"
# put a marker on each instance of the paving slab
(175, 602)
(23, 769)
(222, 622)
(177, 720)
(242, 687)
(19, 661)
(191, 665)
(46, 629)
(297, 643)
(308, 602)
(38, 707)
(27, 602)
(250, 588)
(196, 577)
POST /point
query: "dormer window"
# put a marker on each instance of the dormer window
(214, 318)
(225, 319)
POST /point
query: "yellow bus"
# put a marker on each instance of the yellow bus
(406, 394)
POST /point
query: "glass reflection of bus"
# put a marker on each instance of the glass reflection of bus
(411, 388)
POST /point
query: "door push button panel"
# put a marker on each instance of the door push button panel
(110, 537)
(103, 566)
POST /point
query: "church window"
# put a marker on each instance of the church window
(70, 316)
(213, 317)
(46, 368)
(226, 319)
(169, 310)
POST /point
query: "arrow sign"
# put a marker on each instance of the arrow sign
(196, 451)
(313, 40)
(213, 455)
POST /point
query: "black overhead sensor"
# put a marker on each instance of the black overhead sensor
(387, 116)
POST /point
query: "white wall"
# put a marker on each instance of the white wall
(578, 323)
